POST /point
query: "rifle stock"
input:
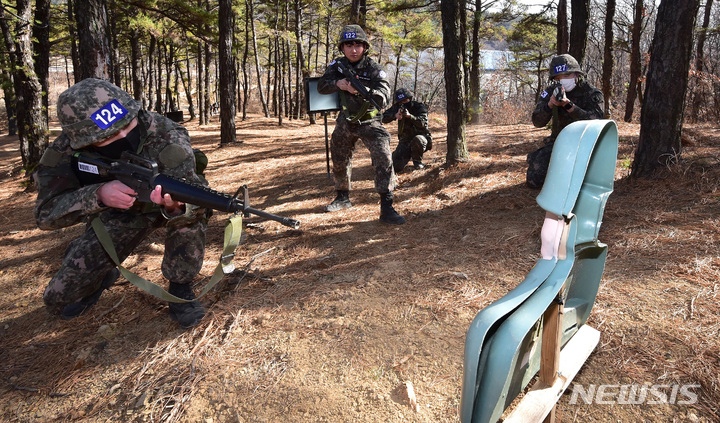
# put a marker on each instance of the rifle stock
(142, 175)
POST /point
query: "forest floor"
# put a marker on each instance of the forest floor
(328, 322)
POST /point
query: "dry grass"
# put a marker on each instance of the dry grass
(325, 323)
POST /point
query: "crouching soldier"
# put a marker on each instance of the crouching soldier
(414, 137)
(98, 117)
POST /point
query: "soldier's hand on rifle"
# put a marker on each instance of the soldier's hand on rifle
(345, 85)
(117, 195)
(171, 206)
(553, 102)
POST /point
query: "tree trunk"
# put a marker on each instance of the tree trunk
(358, 12)
(250, 7)
(94, 46)
(700, 93)
(580, 10)
(328, 43)
(563, 39)
(475, 111)
(8, 79)
(662, 113)
(170, 104)
(272, 104)
(607, 69)
(300, 61)
(135, 65)
(454, 42)
(277, 80)
(158, 81)
(227, 72)
(73, 44)
(206, 90)
(114, 49)
(32, 125)
(41, 46)
(398, 61)
(246, 53)
(187, 82)
(635, 61)
(151, 71)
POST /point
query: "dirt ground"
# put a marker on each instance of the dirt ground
(327, 323)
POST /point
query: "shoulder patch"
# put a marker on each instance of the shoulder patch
(544, 94)
(597, 98)
(383, 75)
(332, 63)
(50, 157)
(172, 156)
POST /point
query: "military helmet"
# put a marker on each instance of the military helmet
(402, 94)
(93, 110)
(563, 65)
(352, 33)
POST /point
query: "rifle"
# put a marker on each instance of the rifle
(402, 109)
(142, 175)
(359, 87)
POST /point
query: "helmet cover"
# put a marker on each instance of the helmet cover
(352, 33)
(402, 94)
(93, 110)
(564, 64)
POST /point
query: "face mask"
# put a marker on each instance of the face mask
(115, 149)
(568, 84)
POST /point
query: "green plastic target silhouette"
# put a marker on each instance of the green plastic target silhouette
(502, 345)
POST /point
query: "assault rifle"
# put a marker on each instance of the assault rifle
(359, 87)
(402, 109)
(142, 175)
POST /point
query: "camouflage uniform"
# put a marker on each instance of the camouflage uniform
(62, 201)
(414, 137)
(368, 128)
(588, 102)
(359, 119)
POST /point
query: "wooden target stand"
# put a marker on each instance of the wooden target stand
(557, 368)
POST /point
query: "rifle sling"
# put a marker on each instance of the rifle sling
(363, 115)
(233, 231)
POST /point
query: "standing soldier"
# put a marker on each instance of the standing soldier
(359, 120)
(568, 99)
(98, 117)
(414, 137)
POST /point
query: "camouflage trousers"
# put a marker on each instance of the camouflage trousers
(377, 140)
(538, 162)
(414, 148)
(86, 262)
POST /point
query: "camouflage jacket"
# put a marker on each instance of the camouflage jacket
(372, 76)
(62, 201)
(588, 102)
(415, 124)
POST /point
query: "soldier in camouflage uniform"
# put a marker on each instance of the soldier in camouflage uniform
(414, 137)
(581, 101)
(98, 117)
(359, 120)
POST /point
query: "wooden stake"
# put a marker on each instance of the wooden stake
(550, 350)
(538, 402)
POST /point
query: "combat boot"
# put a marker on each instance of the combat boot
(186, 314)
(418, 165)
(342, 201)
(387, 212)
(73, 310)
